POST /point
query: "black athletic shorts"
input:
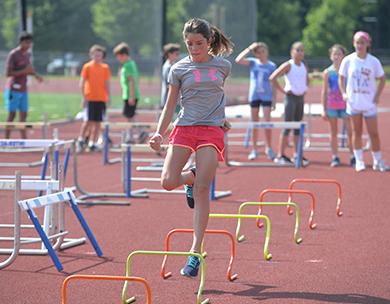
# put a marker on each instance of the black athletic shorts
(96, 110)
(129, 111)
(293, 110)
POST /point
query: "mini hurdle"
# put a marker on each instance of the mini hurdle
(165, 253)
(241, 238)
(321, 181)
(126, 165)
(267, 125)
(231, 277)
(51, 225)
(312, 225)
(267, 255)
(60, 197)
(107, 278)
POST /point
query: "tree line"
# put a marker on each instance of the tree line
(73, 25)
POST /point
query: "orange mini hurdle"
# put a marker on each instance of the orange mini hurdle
(231, 277)
(321, 181)
(312, 225)
(107, 278)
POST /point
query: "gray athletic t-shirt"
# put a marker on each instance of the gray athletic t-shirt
(202, 97)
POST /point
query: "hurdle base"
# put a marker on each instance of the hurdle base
(233, 163)
(82, 200)
(67, 243)
(217, 194)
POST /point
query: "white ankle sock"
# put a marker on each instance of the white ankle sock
(376, 156)
(358, 155)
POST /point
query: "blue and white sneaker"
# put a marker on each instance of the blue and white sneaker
(270, 153)
(189, 194)
(191, 268)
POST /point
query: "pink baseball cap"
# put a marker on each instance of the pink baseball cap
(361, 34)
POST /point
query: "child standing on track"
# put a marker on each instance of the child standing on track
(296, 77)
(333, 103)
(130, 87)
(18, 66)
(358, 74)
(261, 92)
(95, 87)
(171, 56)
(199, 79)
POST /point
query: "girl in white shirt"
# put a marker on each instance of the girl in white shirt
(358, 74)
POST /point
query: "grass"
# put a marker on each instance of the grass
(62, 106)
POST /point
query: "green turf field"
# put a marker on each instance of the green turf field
(61, 106)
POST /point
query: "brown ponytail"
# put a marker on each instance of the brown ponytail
(219, 44)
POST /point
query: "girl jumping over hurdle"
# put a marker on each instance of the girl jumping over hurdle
(261, 91)
(357, 80)
(333, 103)
(199, 81)
(296, 77)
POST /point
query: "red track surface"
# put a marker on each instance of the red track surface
(344, 260)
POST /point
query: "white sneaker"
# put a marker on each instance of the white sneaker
(381, 166)
(360, 166)
(252, 155)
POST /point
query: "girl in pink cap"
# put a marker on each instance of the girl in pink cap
(358, 74)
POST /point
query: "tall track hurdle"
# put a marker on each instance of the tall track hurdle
(165, 253)
(267, 255)
(311, 225)
(321, 181)
(57, 198)
(92, 198)
(43, 126)
(128, 179)
(267, 125)
(231, 277)
(56, 231)
(123, 126)
(241, 237)
(107, 278)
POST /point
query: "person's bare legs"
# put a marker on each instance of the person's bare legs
(348, 126)
(172, 175)
(357, 131)
(267, 132)
(23, 118)
(10, 118)
(333, 135)
(372, 129)
(254, 118)
(206, 165)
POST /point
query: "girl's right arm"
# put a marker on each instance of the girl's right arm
(240, 59)
(165, 118)
(342, 87)
(280, 71)
(83, 99)
(324, 92)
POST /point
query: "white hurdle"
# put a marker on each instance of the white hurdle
(266, 125)
(56, 199)
(57, 230)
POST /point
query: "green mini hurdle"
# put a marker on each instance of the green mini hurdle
(241, 238)
(165, 253)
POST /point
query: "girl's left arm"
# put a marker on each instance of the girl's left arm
(379, 90)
